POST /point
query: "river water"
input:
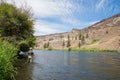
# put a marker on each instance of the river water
(64, 65)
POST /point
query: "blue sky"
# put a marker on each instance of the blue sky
(56, 16)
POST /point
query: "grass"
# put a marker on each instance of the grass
(83, 50)
(92, 50)
(94, 41)
(7, 53)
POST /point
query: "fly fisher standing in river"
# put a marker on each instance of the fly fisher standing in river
(30, 55)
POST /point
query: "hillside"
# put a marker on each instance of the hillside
(102, 35)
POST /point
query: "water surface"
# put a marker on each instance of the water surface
(63, 65)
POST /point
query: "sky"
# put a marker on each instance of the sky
(57, 16)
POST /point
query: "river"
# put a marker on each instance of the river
(64, 65)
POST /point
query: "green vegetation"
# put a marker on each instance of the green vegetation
(16, 31)
(94, 41)
(79, 36)
(7, 52)
(87, 35)
(83, 38)
(50, 39)
(49, 48)
(75, 37)
(69, 49)
(63, 44)
(23, 46)
(46, 45)
(16, 24)
(61, 36)
(92, 50)
(79, 44)
(68, 42)
(106, 32)
(82, 50)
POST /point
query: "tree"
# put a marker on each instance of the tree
(87, 35)
(68, 42)
(79, 36)
(16, 24)
(46, 45)
(83, 38)
(23, 46)
(106, 32)
(63, 44)
(79, 44)
(75, 37)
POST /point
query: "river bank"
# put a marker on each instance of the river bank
(81, 50)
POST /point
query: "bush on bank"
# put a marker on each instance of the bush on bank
(7, 54)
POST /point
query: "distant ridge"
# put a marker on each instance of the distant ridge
(104, 34)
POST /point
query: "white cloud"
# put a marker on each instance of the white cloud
(71, 21)
(100, 4)
(62, 9)
(48, 8)
(44, 28)
(78, 23)
(93, 22)
(87, 24)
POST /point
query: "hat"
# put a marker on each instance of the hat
(30, 48)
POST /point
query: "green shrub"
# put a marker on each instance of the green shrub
(23, 46)
(94, 41)
(46, 45)
(7, 52)
(15, 23)
(50, 48)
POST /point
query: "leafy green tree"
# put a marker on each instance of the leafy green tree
(23, 46)
(31, 41)
(16, 24)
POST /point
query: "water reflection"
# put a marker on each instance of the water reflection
(106, 65)
(24, 70)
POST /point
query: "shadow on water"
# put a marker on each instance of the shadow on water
(60, 65)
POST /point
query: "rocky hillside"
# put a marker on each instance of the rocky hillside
(102, 35)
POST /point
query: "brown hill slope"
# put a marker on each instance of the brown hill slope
(102, 35)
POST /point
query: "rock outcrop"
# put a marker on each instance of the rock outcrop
(102, 35)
